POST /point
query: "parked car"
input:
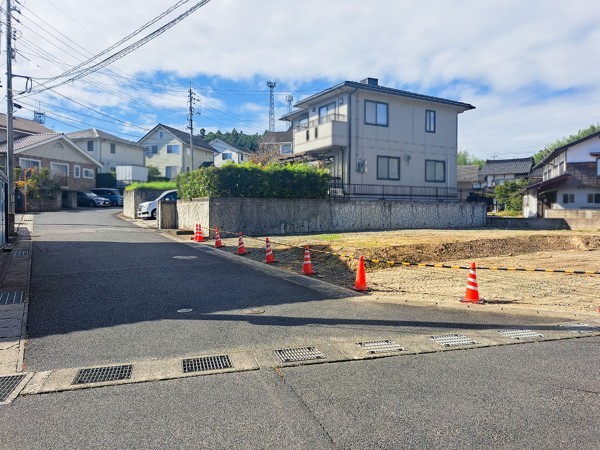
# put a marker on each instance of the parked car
(113, 194)
(147, 210)
(90, 199)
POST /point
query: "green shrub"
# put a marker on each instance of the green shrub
(157, 185)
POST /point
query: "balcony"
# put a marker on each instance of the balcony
(321, 134)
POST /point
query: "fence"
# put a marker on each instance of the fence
(339, 190)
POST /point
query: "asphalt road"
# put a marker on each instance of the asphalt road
(106, 291)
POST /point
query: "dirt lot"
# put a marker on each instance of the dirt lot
(492, 248)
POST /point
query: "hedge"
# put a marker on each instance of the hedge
(253, 181)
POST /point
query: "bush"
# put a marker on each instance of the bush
(156, 185)
(510, 195)
(250, 180)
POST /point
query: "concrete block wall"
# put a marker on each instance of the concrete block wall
(531, 223)
(132, 199)
(577, 219)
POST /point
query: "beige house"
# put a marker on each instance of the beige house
(168, 149)
(369, 136)
(111, 151)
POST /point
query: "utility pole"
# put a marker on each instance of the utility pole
(191, 101)
(9, 122)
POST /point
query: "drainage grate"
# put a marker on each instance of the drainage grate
(12, 298)
(521, 334)
(8, 385)
(453, 340)
(299, 354)
(384, 346)
(101, 374)
(20, 253)
(206, 363)
(579, 327)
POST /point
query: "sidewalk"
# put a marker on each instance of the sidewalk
(15, 269)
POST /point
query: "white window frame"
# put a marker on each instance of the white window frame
(76, 171)
(87, 173)
(37, 163)
(53, 170)
(430, 121)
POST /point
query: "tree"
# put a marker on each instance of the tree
(510, 195)
(464, 158)
(153, 171)
(539, 156)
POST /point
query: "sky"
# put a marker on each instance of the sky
(530, 68)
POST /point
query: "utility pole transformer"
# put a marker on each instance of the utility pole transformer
(271, 85)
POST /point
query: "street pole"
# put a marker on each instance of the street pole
(191, 126)
(9, 123)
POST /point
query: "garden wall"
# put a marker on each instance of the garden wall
(132, 199)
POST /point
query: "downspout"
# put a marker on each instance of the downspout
(350, 132)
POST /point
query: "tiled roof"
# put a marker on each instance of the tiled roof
(507, 166)
(185, 137)
(277, 137)
(26, 141)
(25, 125)
(467, 173)
(559, 150)
(94, 133)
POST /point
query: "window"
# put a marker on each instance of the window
(27, 163)
(151, 150)
(171, 171)
(376, 113)
(88, 173)
(598, 167)
(59, 169)
(173, 148)
(161, 135)
(90, 146)
(568, 198)
(388, 168)
(435, 171)
(113, 148)
(285, 149)
(316, 132)
(77, 171)
(308, 135)
(326, 112)
(227, 156)
(430, 121)
(593, 198)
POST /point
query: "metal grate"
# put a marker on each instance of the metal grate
(299, 354)
(453, 340)
(384, 346)
(206, 363)
(12, 298)
(521, 334)
(579, 327)
(8, 385)
(20, 253)
(102, 374)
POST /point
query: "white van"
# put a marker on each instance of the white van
(147, 210)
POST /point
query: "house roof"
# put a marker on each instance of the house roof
(220, 146)
(182, 136)
(506, 166)
(559, 150)
(24, 125)
(24, 143)
(94, 133)
(278, 137)
(467, 173)
(374, 87)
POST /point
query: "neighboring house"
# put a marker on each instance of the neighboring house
(111, 151)
(496, 171)
(467, 177)
(168, 149)
(280, 141)
(366, 134)
(570, 180)
(228, 153)
(22, 127)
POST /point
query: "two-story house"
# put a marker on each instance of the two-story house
(228, 153)
(496, 171)
(280, 142)
(369, 136)
(168, 149)
(570, 180)
(110, 151)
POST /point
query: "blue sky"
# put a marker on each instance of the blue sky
(528, 67)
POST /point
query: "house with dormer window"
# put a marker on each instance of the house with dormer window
(168, 149)
(373, 138)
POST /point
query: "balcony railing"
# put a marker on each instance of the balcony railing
(339, 190)
(320, 121)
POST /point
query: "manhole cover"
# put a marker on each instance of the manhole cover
(521, 334)
(12, 298)
(206, 363)
(184, 257)
(298, 354)
(384, 346)
(8, 385)
(101, 374)
(579, 327)
(184, 310)
(453, 340)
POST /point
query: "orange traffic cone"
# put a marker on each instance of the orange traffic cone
(198, 237)
(307, 266)
(218, 242)
(472, 293)
(270, 258)
(241, 249)
(361, 280)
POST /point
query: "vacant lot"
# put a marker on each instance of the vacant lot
(485, 247)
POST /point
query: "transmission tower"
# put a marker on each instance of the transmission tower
(289, 99)
(271, 85)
